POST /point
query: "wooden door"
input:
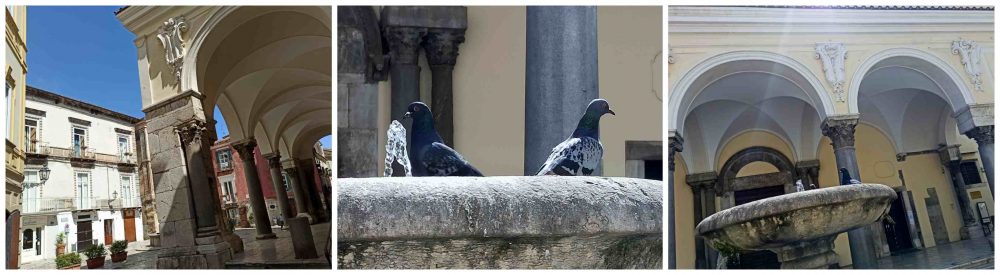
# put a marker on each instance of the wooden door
(109, 225)
(84, 235)
(13, 239)
(129, 224)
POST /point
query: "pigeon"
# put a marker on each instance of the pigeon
(581, 152)
(429, 155)
(845, 177)
(799, 187)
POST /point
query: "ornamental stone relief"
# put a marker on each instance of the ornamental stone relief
(972, 58)
(171, 37)
(833, 55)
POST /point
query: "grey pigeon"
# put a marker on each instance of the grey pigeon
(580, 154)
(429, 155)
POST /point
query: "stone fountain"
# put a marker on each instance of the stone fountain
(799, 227)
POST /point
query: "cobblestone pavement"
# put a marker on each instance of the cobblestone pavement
(257, 253)
(975, 254)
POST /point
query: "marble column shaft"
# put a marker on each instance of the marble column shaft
(560, 77)
(261, 220)
(441, 46)
(676, 144)
(274, 163)
(300, 197)
(840, 130)
(703, 189)
(191, 134)
(984, 138)
(961, 194)
(404, 73)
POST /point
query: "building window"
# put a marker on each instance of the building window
(10, 86)
(225, 159)
(83, 199)
(128, 192)
(31, 197)
(31, 135)
(79, 141)
(124, 150)
(970, 173)
(228, 192)
(28, 239)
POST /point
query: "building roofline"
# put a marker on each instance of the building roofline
(78, 104)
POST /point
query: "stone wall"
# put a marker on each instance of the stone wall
(499, 222)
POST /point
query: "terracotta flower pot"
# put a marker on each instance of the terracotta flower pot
(119, 257)
(60, 249)
(95, 263)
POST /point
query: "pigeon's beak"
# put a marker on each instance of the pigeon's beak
(408, 115)
(611, 112)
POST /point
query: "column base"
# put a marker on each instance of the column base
(969, 232)
(206, 256)
(266, 236)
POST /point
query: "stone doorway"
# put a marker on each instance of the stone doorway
(897, 234)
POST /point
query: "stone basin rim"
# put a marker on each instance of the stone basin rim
(792, 202)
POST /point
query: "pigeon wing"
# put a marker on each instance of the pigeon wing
(573, 157)
(441, 160)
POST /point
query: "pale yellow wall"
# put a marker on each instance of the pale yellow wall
(683, 215)
(750, 139)
(489, 86)
(756, 168)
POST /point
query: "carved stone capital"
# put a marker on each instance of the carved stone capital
(191, 132)
(972, 58)
(982, 134)
(273, 160)
(291, 171)
(404, 43)
(675, 144)
(702, 181)
(807, 168)
(832, 56)
(840, 130)
(245, 148)
(441, 45)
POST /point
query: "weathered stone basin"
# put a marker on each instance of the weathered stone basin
(499, 222)
(799, 227)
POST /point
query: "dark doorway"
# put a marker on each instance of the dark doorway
(756, 259)
(654, 169)
(109, 225)
(84, 235)
(897, 234)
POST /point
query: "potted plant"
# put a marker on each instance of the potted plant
(118, 253)
(61, 244)
(68, 261)
(95, 256)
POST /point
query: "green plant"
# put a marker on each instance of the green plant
(68, 259)
(61, 239)
(95, 251)
(118, 247)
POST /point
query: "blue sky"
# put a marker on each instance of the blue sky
(85, 53)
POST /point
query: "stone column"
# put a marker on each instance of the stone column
(808, 172)
(984, 138)
(274, 162)
(261, 221)
(441, 46)
(404, 73)
(840, 130)
(676, 144)
(703, 187)
(951, 157)
(191, 134)
(560, 77)
(307, 180)
(300, 197)
(361, 64)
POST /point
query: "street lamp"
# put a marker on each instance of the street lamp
(114, 196)
(44, 173)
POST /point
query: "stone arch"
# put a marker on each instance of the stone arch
(681, 97)
(956, 93)
(727, 175)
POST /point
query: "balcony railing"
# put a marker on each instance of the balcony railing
(86, 203)
(38, 205)
(89, 153)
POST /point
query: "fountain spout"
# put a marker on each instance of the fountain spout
(395, 149)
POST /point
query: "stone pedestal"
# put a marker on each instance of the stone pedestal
(840, 130)
(302, 240)
(560, 77)
(813, 254)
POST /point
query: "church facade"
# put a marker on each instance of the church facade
(762, 97)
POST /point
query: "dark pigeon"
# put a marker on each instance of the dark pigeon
(429, 155)
(580, 154)
(845, 177)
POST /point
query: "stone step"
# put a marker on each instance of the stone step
(984, 263)
(305, 264)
